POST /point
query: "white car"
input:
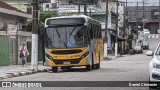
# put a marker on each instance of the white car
(158, 31)
(154, 66)
(146, 32)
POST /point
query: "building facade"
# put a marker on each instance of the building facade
(22, 5)
(149, 14)
(112, 8)
(12, 33)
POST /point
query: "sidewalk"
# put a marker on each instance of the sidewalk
(113, 57)
(19, 70)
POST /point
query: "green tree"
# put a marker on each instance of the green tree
(129, 42)
(43, 16)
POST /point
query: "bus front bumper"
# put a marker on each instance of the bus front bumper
(72, 62)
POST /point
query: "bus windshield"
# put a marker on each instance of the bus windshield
(68, 36)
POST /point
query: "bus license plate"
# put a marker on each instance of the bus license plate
(66, 62)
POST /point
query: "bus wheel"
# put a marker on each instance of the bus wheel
(54, 69)
(88, 67)
(98, 64)
(92, 61)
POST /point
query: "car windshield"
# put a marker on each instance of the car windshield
(66, 36)
(137, 47)
(144, 43)
(158, 51)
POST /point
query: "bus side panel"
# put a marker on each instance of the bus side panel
(101, 49)
(98, 51)
(94, 48)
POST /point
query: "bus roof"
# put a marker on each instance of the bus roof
(73, 16)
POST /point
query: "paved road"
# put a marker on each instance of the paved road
(128, 68)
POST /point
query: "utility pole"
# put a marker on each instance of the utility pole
(106, 27)
(34, 59)
(137, 21)
(85, 7)
(124, 26)
(79, 7)
(116, 41)
(159, 15)
(143, 15)
(143, 10)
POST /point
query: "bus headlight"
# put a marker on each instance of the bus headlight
(49, 57)
(85, 55)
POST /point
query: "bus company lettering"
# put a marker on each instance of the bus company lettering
(68, 56)
(14, 84)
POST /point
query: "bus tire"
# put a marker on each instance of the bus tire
(98, 64)
(54, 69)
(88, 67)
(92, 61)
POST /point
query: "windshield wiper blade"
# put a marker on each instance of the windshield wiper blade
(57, 32)
(73, 30)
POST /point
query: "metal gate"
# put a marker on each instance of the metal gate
(13, 50)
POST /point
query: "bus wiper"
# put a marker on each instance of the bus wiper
(73, 30)
(57, 32)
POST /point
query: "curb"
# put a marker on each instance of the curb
(23, 73)
(114, 58)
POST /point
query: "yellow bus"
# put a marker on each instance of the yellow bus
(72, 41)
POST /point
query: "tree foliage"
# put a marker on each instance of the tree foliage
(129, 42)
(41, 22)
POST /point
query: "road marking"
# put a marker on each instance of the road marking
(149, 36)
(153, 36)
(157, 36)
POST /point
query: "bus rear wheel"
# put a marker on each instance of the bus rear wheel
(88, 67)
(97, 65)
(54, 69)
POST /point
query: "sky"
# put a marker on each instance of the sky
(148, 2)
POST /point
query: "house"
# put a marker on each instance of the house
(22, 5)
(12, 33)
(112, 13)
(150, 17)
